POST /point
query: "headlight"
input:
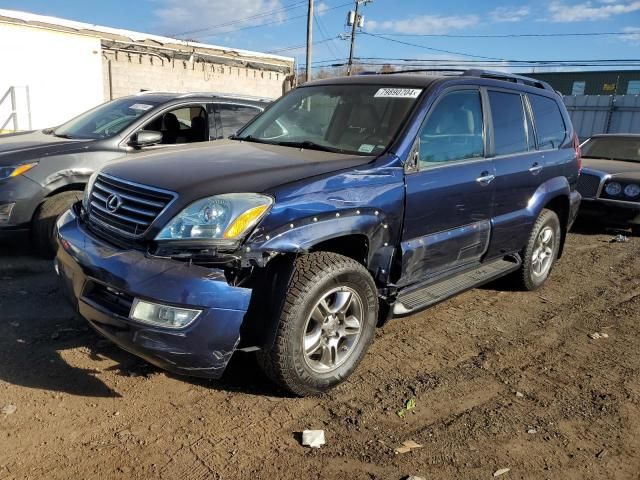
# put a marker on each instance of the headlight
(632, 190)
(613, 189)
(15, 170)
(162, 315)
(87, 191)
(222, 217)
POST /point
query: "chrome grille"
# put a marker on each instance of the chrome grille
(588, 185)
(126, 207)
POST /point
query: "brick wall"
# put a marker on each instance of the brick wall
(133, 72)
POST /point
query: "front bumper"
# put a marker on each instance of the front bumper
(88, 265)
(25, 195)
(616, 214)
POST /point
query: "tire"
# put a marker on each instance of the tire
(44, 221)
(635, 230)
(328, 328)
(534, 270)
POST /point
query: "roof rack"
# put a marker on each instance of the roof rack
(474, 72)
(508, 77)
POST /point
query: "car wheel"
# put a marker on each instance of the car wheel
(44, 221)
(326, 324)
(541, 251)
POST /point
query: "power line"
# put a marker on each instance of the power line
(269, 13)
(431, 48)
(302, 45)
(504, 35)
(268, 23)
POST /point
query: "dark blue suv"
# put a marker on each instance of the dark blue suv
(347, 202)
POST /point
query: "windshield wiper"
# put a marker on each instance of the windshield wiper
(310, 146)
(62, 135)
(250, 138)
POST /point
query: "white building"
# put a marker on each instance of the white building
(53, 69)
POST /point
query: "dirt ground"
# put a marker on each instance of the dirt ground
(501, 379)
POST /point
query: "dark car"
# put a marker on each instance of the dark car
(610, 181)
(42, 173)
(347, 202)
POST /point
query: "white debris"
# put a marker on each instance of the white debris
(619, 239)
(9, 409)
(519, 394)
(597, 335)
(407, 446)
(313, 438)
(413, 477)
(502, 471)
(532, 431)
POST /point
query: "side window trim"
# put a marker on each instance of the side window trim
(416, 168)
(531, 121)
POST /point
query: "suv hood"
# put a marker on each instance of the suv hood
(617, 168)
(26, 146)
(228, 166)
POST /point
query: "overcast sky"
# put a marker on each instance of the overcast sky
(272, 25)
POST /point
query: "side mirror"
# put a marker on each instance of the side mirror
(145, 138)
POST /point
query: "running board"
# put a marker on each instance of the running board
(428, 295)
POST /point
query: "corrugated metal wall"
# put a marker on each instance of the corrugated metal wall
(593, 114)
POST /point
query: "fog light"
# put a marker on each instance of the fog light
(162, 315)
(5, 212)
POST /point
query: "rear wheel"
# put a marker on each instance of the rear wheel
(541, 251)
(326, 324)
(44, 221)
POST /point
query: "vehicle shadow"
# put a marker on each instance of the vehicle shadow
(45, 344)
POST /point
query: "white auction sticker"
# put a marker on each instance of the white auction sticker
(141, 106)
(399, 92)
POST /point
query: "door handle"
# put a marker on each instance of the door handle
(536, 168)
(485, 178)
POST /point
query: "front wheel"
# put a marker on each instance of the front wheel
(326, 324)
(541, 251)
(44, 221)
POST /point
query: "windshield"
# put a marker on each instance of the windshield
(106, 120)
(613, 148)
(354, 119)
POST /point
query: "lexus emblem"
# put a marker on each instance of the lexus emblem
(114, 202)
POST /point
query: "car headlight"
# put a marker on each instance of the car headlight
(632, 190)
(87, 191)
(613, 189)
(15, 170)
(226, 217)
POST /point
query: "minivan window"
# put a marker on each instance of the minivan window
(107, 119)
(355, 119)
(550, 127)
(234, 117)
(507, 115)
(453, 130)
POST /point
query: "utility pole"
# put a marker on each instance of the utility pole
(309, 39)
(358, 21)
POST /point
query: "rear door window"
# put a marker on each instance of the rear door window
(550, 127)
(507, 115)
(233, 117)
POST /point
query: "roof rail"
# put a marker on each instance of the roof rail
(416, 70)
(508, 77)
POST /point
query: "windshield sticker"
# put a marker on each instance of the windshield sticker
(366, 148)
(398, 92)
(140, 106)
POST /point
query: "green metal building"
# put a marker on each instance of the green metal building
(597, 82)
